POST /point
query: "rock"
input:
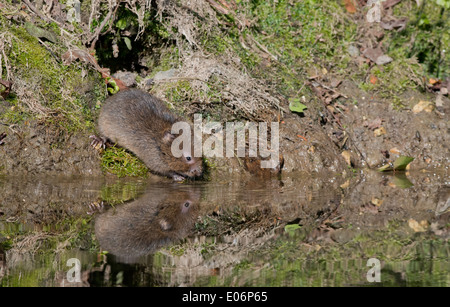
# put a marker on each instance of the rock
(127, 78)
(384, 59)
(353, 51)
(161, 75)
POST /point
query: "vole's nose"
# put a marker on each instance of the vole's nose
(196, 171)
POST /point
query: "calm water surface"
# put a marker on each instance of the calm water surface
(297, 231)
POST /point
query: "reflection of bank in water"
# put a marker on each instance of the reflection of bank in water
(140, 227)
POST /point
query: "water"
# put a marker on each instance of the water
(297, 231)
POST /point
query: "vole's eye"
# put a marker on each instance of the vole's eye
(188, 158)
(187, 204)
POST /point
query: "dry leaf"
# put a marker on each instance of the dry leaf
(379, 132)
(347, 157)
(350, 6)
(416, 226)
(394, 151)
(377, 202)
(345, 184)
(433, 81)
(423, 105)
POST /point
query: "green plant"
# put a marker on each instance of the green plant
(118, 161)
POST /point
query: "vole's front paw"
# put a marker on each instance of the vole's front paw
(98, 142)
(177, 177)
(95, 207)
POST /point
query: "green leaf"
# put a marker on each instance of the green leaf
(291, 228)
(121, 24)
(296, 106)
(401, 181)
(444, 3)
(127, 42)
(401, 162)
(115, 88)
(385, 168)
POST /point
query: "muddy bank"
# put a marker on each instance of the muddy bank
(380, 133)
(226, 69)
(38, 149)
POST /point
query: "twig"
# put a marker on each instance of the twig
(45, 18)
(95, 36)
(218, 7)
(263, 48)
(49, 50)
(330, 89)
(36, 11)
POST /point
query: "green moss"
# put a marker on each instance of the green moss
(426, 36)
(121, 192)
(120, 162)
(179, 92)
(169, 58)
(46, 89)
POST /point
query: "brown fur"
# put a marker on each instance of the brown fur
(142, 123)
(137, 228)
(253, 165)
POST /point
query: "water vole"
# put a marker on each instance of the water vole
(162, 215)
(142, 124)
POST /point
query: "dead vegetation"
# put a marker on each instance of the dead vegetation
(188, 25)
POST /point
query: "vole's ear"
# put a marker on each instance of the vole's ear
(165, 225)
(168, 137)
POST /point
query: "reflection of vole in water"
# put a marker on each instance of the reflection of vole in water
(253, 165)
(142, 124)
(142, 226)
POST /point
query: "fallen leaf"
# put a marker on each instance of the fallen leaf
(433, 81)
(401, 181)
(394, 151)
(399, 164)
(291, 228)
(377, 56)
(296, 106)
(350, 6)
(423, 105)
(347, 157)
(379, 132)
(376, 201)
(416, 226)
(345, 184)
(38, 32)
(402, 162)
(373, 53)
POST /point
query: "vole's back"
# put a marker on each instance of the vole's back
(137, 121)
